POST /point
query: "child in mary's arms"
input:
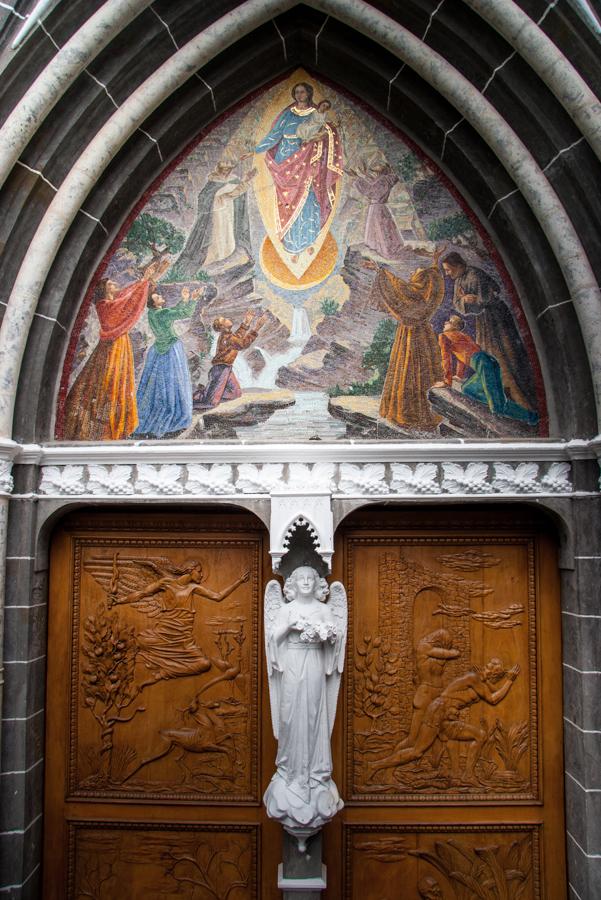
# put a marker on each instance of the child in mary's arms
(314, 127)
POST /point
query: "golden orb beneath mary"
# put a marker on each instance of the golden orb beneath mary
(320, 268)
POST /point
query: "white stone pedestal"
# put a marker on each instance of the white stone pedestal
(302, 875)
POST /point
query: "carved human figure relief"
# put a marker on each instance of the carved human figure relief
(305, 639)
(152, 626)
(167, 594)
(442, 678)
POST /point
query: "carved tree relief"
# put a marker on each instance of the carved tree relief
(165, 689)
(443, 678)
(450, 863)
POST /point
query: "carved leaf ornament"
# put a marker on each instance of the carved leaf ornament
(346, 479)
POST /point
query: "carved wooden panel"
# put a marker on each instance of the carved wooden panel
(135, 861)
(482, 862)
(442, 674)
(164, 669)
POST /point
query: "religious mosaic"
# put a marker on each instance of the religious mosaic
(302, 273)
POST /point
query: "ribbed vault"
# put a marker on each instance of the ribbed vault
(301, 35)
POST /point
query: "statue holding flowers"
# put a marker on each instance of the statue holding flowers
(305, 639)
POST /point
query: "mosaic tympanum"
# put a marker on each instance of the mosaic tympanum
(301, 273)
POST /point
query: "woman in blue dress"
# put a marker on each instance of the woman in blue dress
(164, 393)
(304, 173)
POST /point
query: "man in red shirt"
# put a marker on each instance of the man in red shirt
(223, 384)
(460, 353)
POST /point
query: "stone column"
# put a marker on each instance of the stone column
(301, 874)
(581, 628)
(8, 450)
(24, 658)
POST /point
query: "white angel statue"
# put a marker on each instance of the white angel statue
(305, 640)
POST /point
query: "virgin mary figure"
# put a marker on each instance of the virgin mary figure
(305, 641)
(304, 173)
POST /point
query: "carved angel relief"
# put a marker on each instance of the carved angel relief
(422, 662)
(305, 640)
(147, 634)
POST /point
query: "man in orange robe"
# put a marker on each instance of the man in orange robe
(414, 364)
(101, 405)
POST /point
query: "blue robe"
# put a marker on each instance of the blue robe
(305, 229)
(486, 386)
(164, 393)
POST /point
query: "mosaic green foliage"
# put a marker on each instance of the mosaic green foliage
(408, 167)
(375, 357)
(149, 234)
(329, 307)
(449, 227)
(176, 275)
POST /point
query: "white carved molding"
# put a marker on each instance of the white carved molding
(317, 453)
(115, 480)
(307, 478)
(364, 480)
(166, 480)
(468, 479)
(414, 480)
(65, 481)
(259, 479)
(8, 451)
(557, 478)
(6, 478)
(290, 511)
(301, 480)
(218, 479)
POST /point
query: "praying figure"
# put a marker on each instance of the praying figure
(414, 365)
(381, 231)
(305, 641)
(223, 384)
(482, 373)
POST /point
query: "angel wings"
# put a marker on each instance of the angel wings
(122, 575)
(305, 642)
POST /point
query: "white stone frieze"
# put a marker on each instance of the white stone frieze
(520, 479)
(467, 479)
(557, 478)
(292, 479)
(259, 479)
(167, 480)
(368, 479)
(65, 481)
(114, 480)
(413, 480)
(8, 451)
(217, 479)
(317, 477)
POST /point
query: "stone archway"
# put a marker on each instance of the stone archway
(356, 57)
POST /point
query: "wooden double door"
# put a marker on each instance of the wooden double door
(447, 746)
